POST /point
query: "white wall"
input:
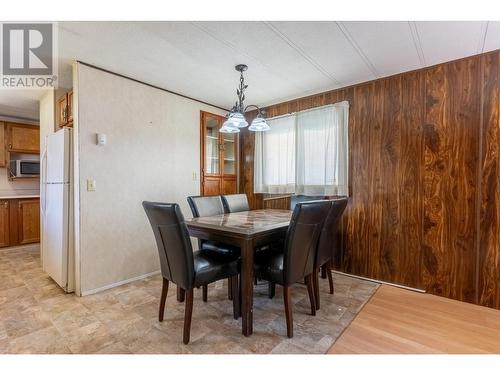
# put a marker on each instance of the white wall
(152, 151)
(47, 116)
(17, 187)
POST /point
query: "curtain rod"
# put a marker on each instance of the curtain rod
(150, 85)
(307, 110)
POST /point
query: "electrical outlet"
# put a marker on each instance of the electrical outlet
(90, 185)
(194, 176)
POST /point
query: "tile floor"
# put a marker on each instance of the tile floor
(36, 316)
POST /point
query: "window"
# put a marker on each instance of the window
(304, 153)
(274, 167)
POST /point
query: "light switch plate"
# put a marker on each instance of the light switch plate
(90, 185)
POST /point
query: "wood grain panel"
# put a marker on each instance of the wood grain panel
(423, 179)
(410, 193)
(357, 230)
(373, 117)
(489, 248)
(452, 125)
(247, 146)
(281, 202)
(389, 178)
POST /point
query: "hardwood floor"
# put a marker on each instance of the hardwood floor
(396, 320)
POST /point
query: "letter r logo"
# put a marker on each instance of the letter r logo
(27, 49)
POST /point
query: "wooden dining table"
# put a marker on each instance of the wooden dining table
(247, 230)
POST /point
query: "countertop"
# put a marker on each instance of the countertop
(19, 196)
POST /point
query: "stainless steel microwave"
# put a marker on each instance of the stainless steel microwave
(25, 168)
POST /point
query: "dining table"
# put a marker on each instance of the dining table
(247, 230)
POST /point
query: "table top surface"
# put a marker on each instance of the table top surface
(245, 222)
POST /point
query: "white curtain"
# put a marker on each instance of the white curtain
(322, 151)
(304, 153)
(274, 162)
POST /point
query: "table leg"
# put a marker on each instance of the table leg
(247, 287)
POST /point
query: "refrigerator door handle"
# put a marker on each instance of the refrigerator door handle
(43, 194)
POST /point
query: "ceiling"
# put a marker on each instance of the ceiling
(286, 59)
(19, 103)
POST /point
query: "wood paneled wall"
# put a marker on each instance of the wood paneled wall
(424, 206)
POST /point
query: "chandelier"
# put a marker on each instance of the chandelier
(235, 119)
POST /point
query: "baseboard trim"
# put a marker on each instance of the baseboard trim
(381, 282)
(110, 286)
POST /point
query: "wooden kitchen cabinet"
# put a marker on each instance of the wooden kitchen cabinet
(4, 223)
(3, 161)
(70, 107)
(219, 157)
(65, 110)
(23, 138)
(28, 211)
(19, 221)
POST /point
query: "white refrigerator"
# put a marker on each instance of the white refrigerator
(56, 207)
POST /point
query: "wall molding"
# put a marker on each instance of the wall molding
(114, 285)
(381, 282)
(150, 85)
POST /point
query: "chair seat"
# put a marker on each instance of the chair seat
(211, 266)
(268, 265)
(219, 248)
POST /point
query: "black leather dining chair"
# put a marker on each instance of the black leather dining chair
(296, 260)
(235, 203)
(307, 198)
(294, 199)
(183, 267)
(326, 245)
(210, 206)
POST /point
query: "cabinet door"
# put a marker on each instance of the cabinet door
(4, 223)
(24, 138)
(29, 220)
(211, 186)
(70, 107)
(62, 110)
(219, 157)
(229, 152)
(229, 185)
(210, 144)
(3, 162)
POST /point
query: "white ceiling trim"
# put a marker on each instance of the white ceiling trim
(482, 37)
(358, 49)
(417, 43)
(302, 53)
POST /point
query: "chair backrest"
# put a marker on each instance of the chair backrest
(327, 238)
(206, 206)
(302, 198)
(235, 203)
(172, 240)
(302, 239)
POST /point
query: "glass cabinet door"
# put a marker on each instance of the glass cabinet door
(229, 152)
(212, 148)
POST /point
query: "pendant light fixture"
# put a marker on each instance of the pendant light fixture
(235, 119)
